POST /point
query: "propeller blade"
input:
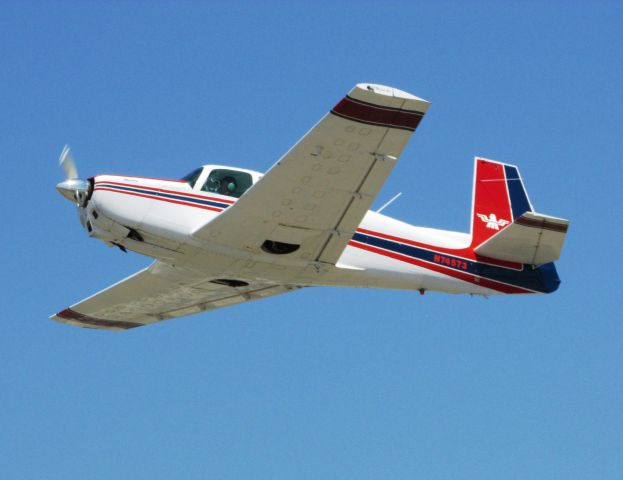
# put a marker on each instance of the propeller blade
(72, 188)
(66, 162)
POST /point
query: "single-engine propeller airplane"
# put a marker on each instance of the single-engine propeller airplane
(223, 235)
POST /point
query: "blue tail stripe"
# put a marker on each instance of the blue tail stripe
(543, 279)
(517, 192)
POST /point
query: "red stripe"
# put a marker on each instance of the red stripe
(162, 199)
(466, 253)
(143, 178)
(69, 314)
(490, 197)
(466, 277)
(174, 192)
(377, 115)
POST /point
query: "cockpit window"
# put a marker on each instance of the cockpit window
(192, 177)
(232, 183)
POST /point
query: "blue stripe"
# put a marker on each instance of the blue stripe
(516, 192)
(538, 279)
(198, 201)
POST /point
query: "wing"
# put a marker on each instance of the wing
(313, 199)
(157, 293)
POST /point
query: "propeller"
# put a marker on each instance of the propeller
(67, 163)
(72, 188)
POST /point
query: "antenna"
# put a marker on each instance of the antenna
(389, 203)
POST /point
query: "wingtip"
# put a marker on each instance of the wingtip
(389, 91)
(389, 97)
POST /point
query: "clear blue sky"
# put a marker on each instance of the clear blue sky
(322, 383)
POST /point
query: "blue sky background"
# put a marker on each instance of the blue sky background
(322, 383)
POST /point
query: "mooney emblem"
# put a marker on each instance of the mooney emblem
(492, 222)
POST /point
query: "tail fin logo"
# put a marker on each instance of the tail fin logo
(492, 221)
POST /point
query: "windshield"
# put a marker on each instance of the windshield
(192, 177)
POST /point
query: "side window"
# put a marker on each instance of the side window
(227, 182)
(192, 177)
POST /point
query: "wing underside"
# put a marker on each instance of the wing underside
(160, 293)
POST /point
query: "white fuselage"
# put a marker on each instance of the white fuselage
(166, 213)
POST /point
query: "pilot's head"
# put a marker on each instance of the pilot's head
(228, 185)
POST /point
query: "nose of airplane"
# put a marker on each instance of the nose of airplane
(74, 189)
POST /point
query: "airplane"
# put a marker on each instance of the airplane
(222, 235)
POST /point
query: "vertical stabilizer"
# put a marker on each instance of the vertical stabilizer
(499, 197)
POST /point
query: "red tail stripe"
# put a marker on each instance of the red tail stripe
(466, 277)
(490, 199)
(466, 253)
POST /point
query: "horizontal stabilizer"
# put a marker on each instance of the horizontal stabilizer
(532, 239)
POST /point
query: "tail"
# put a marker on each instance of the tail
(504, 224)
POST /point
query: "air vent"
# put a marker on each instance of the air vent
(134, 235)
(279, 248)
(229, 282)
